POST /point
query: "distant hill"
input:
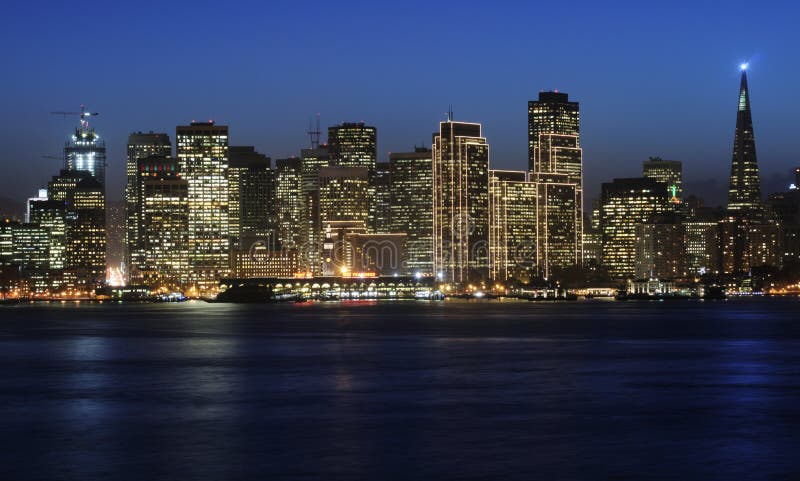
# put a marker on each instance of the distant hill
(12, 208)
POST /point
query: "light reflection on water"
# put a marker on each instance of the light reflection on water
(398, 391)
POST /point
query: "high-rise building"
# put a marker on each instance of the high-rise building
(744, 193)
(251, 203)
(411, 204)
(289, 201)
(460, 203)
(355, 144)
(83, 197)
(625, 203)
(165, 225)
(52, 215)
(31, 253)
(668, 172)
(202, 152)
(559, 223)
(311, 247)
(86, 152)
(382, 209)
(141, 145)
(512, 225)
(555, 161)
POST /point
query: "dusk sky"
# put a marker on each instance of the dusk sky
(652, 78)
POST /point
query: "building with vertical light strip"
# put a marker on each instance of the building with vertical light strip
(202, 152)
(460, 204)
(512, 226)
(555, 160)
(86, 152)
(411, 203)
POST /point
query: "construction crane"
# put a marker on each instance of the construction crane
(83, 114)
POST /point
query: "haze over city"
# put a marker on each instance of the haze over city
(652, 80)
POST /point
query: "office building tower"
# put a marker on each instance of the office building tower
(625, 203)
(411, 205)
(141, 145)
(251, 203)
(382, 210)
(555, 157)
(355, 144)
(512, 226)
(343, 195)
(85, 151)
(83, 197)
(165, 225)
(744, 193)
(202, 152)
(289, 202)
(311, 248)
(460, 203)
(51, 215)
(668, 172)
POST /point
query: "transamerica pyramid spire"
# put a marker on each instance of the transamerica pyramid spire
(744, 193)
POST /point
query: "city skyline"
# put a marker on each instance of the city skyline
(274, 94)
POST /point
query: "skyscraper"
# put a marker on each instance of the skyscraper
(555, 161)
(382, 209)
(460, 203)
(250, 193)
(85, 249)
(625, 203)
(202, 151)
(311, 247)
(512, 225)
(165, 225)
(86, 152)
(355, 144)
(411, 203)
(140, 146)
(289, 201)
(744, 193)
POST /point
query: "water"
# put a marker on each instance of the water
(452, 390)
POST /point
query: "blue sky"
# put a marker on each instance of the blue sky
(652, 79)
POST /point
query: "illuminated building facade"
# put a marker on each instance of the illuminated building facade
(260, 260)
(625, 203)
(344, 194)
(141, 145)
(86, 152)
(744, 193)
(460, 203)
(202, 152)
(382, 209)
(289, 201)
(31, 253)
(411, 204)
(52, 215)
(165, 225)
(355, 144)
(669, 172)
(251, 186)
(555, 160)
(311, 247)
(512, 226)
